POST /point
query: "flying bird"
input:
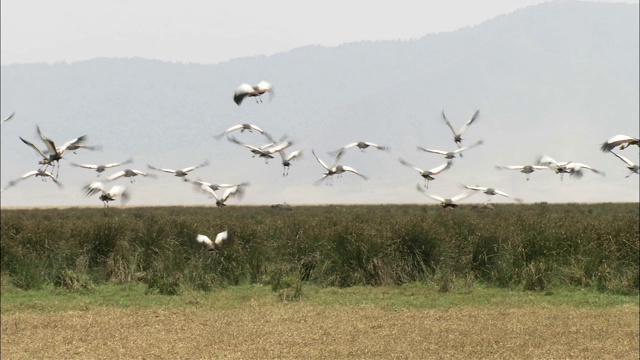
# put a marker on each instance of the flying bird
(428, 175)
(198, 184)
(43, 174)
(246, 90)
(623, 141)
(451, 154)
(101, 168)
(54, 154)
(287, 159)
(266, 151)
(236, 191)
(525, 169)
(491, 192)
(457, 136)
(335, 169)
(106, 196)
(215, 245)
(7, 118)
(635, 169)
(242, 128)
(130, 173)
(360, 145)
(182, 173)
(446, 202)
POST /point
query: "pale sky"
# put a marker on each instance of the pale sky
(209, 32)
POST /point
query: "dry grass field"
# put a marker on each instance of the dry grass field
(363, 323)
(307, 331)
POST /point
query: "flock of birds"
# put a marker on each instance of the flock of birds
(50, 156)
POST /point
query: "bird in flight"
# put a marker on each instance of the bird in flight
(457, 136)
(246, 90)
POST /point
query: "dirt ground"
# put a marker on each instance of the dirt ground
(297, 331)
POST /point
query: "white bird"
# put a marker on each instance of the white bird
(622, 141)
(182, 173)
(7, 118)
(54, 154)
(266, 151)
(428, 175)
(130, 173)
(287, 159)
(215, 245)
(360, 145)
(457, 136)
(446, 202)
(106, 196)
(215, 187)
(236, 191)
(451, 154)
(43, 174)
(335, 169)
(491, 192)
(635, 169)
(101, 168)
(525, 169)
(245, 90)
(242, 128)
(575, 169)
(558, 167)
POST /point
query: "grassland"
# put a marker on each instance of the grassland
(543, 281)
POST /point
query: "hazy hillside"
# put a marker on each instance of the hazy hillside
(557, 79)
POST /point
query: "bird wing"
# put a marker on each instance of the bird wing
(627, 161)
(29, 174)
(204, 239)
(459, 150)
(476, 188)
(116, 175)
(510, 167)
(379, 147)
(279, 147)
(446, 121)
(51, 146)
(435, 197)
(405, 163)
(264, 86)
(498, 192)
(221, 237)
(439, 169)
(294, 154)
(462, 196)
(86, 166)
(547, 160)
(73, 142)
(320, 161)
(170, 171)
(93, 188)
(33, 147)
(432, 151)
(468, 123)
(350, 169)
(8, 117)
(241, 92)
(254, 127)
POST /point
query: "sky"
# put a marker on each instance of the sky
(210, 32)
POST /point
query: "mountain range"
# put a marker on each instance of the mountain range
(553, 79)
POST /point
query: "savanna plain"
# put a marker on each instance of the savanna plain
(332, 282)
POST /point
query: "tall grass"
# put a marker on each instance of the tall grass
(534, 247)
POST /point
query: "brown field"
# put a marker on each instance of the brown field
(302, 330)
